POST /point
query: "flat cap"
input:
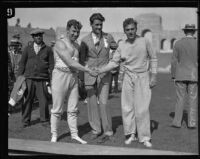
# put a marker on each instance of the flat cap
(36, 31)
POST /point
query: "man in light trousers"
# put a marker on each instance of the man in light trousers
(65, 81)
(184, 72)
(94, 53)
(140, 69)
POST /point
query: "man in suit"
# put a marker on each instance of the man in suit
(184, 72)
(94, 53)
(36, 65)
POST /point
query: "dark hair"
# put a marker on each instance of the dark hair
(98, 16)
(129, 21)
(74, 23)
(189, 31)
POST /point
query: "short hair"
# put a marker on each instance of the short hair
(98, 16)
(129, 21)
(74, 23)
(189, 31)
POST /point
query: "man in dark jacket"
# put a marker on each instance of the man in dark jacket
(36, 65)
(184, 72)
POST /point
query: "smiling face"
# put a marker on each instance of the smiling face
(97, 26)
(38, 38)
(130, 31)
(73, 33)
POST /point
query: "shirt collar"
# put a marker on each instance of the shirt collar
(189, 36)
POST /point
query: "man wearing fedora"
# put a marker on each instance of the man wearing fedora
(36, 65)
(184, 72)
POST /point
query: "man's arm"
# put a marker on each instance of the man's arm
(64, 53)
(153, 63)
(22, 62)
(174, 59)
(113, 63)
(51, 63)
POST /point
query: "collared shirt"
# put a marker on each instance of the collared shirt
(97, 40)
(36, 47)
(139, 56)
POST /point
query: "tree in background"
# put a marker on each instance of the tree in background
(29, 25)
(18, 22)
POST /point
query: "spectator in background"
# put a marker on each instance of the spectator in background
(36, 65)
(94, 53)
(139, 78)
(15, 54)
(184, 72)
(11, 80)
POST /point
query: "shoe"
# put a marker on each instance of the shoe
(105, 138)
(147, 143)
(94, 136)
(53, 139)
(174, 126)
(130, 139)
(77, 138)
(45, 123)
(24, 125)
(191, 127)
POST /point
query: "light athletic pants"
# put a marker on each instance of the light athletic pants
(135, 100)
(64, 88)
(99, 112)
(183, 89)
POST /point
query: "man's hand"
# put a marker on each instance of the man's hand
(153, 80)
(93, 72)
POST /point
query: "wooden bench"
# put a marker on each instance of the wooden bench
(46, 147)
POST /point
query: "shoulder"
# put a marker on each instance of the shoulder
(85, 38)
(60, 44)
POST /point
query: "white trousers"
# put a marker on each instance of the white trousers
(64, 89)
(135, 100)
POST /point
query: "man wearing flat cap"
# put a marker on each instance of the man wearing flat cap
(36, 65)
(184, 72)
(94, 53)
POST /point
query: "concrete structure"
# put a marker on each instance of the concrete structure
(25, 36)
(149, 26)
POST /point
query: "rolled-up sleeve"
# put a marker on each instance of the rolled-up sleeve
(152, 56)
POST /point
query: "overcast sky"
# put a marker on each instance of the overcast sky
(172, 18)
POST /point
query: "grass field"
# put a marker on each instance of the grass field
(164, 137)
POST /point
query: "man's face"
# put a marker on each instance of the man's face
(38, 38)
(97, 26)
(73, 33)
(14, 48)
(130, 31)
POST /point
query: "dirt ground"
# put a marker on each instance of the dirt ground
(164, 137)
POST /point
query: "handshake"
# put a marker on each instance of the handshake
(93, 71)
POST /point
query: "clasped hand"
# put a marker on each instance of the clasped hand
(94, 72)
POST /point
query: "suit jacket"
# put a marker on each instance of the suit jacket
(96, 57)
(184, 60)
